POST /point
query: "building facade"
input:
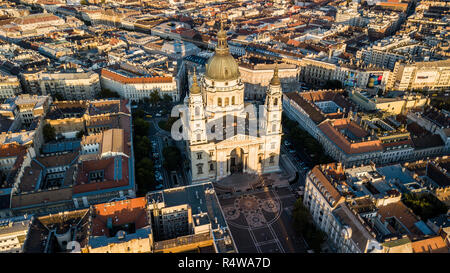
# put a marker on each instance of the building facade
(224, 134)
(71, 86)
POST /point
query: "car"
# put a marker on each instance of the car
(158, 115)
(287, 143)
(148, 116)
(292, 151)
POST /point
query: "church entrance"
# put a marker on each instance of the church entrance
(236, 160)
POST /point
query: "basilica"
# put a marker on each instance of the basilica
(227, 135)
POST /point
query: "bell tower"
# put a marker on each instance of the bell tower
(197, 119)
(273, 105)
(271, 124)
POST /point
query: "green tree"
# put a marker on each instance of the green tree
(154, 97)
(141, 147)
(141, 127)
(139, 114)
(145, 176)
(304, 226)
(425, 205)
(106, 94)
(84, 2)
(172, 158)
(333, 84)
(167, 124)
(48, 132)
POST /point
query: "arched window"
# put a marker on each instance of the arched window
(211, 167)
(275, 101)
(233, 102)
(227, 101)
(219, 101)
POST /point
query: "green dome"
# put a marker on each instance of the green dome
(222, 66)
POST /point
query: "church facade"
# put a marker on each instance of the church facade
(226, 134)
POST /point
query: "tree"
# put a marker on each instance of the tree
(145, 176)
(142, 147)
(304, 226)
(425, 205)
(139, 114)
(172, 158)
(49, 133)
(166, 99)
(141, 127)
(333, 84)
(167, 124)
(154, 97)
(106, 94)
(84, 2)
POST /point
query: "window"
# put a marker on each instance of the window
(233, 102)
(272, 159)
(199, 155)
(227, 101)
(199, 168)
(274, 127)
(211, 167)
(199, 137)
(219, 101)
(197, 111)
(275, 101)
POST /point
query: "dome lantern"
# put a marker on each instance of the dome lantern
(222, 66)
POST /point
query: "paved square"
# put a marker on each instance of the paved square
(259, 222)
(263, 235)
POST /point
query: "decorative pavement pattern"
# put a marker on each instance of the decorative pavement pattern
(255, 213)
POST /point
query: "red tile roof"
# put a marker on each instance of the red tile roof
(431, 245)
(122, 79)
(12, 149)
(107, 165)
(343, 143)
(121, 213)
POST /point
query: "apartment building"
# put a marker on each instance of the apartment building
(9, 86)
(361, 211)
(135, 86)
(432, 75)
(71, 86)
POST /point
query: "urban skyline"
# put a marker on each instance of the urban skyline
(268, 126)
